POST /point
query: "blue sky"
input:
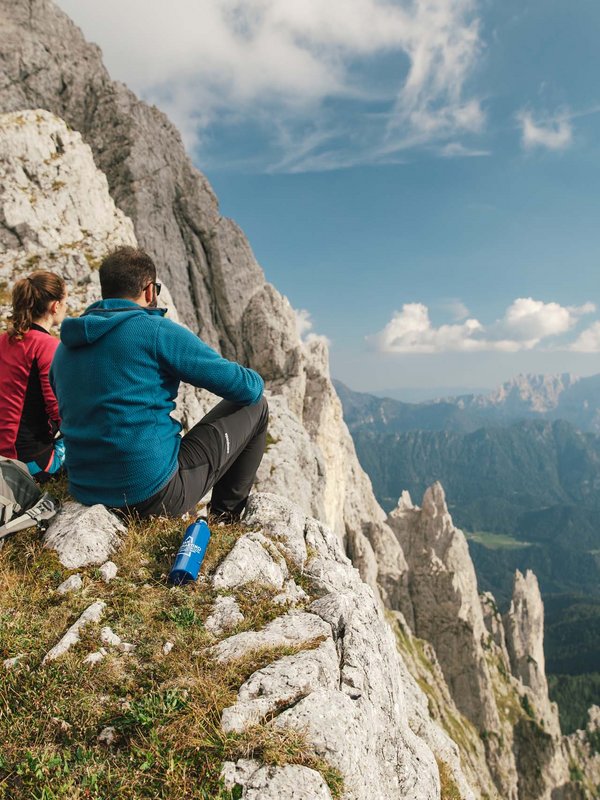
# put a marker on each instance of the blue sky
(421, 178)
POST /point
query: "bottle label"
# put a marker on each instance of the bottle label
(188, 547)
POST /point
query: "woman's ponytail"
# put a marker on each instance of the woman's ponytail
(31, 298)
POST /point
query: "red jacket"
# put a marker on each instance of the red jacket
(29, 415)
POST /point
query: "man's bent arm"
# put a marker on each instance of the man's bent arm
(187, 357)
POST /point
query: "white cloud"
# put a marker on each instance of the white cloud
(455, 307)
(304, 326)
(458, 150)
(411, 331)
(277, 64)
(528, 321)
(588, 340)
(525, 324)
(553, 134)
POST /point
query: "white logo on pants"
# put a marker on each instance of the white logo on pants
(227, 442)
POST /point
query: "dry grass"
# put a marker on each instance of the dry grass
(166, 710)
(449, 789)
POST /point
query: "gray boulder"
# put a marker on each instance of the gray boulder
(84, 535)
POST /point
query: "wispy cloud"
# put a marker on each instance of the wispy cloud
(554, 133)
(281, 67)
(459, 150)
(525, 325)
(455, 307)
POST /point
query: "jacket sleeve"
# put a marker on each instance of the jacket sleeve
(182, 354)
(44, 355)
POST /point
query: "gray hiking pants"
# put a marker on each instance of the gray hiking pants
(222, 452)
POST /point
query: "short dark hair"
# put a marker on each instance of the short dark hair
(126, 272)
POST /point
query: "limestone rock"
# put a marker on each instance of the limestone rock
(292, 782)
(92, 614)
(274, 783)
(83, 535)
(445, 610)
(444, 601)
(72, 584)
(292, 465)
(108, 636)
(524, 626)
(433, 716)
(253, 559)
(107, 736)
(295, 628)
(55, 208)
(284, 520)
(580, 748)
(238, 772)
(281, 684)
(273, 345)
(225, 615)
(10, 663)
(356, 721)
(494, 625)
(292, 594)
(167, 647)
(96, 657)
(108, 571)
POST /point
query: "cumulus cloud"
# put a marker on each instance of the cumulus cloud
(553, 134)
(304, 326)
(525, 325)
(588, 340)
(279, 65)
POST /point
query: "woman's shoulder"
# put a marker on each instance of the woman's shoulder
(40, 341)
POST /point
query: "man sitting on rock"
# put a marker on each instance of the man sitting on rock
(116, 374)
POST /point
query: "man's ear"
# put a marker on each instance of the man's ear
(149, 293)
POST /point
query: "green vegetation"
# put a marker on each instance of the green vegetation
(495, 541)
(574, 695)
(165, 710)
(575, 773)
(449, 789)
(524, 494)
(527, 707)
(271, 440)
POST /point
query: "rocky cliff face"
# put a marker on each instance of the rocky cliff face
(494, 667)
(57, 210)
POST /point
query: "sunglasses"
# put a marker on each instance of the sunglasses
(157, 287)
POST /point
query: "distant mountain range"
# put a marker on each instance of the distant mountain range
(521, 470)
(549, 397)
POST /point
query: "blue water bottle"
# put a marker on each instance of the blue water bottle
(190, 555)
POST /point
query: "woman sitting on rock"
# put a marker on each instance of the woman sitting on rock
(29, 418)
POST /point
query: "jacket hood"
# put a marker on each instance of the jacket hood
(100, 318)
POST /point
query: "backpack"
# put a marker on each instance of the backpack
(22, 503)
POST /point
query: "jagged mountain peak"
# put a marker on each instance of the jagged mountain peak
(434, 503)
(532, 392)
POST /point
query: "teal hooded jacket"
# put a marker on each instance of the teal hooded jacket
(116, 375)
